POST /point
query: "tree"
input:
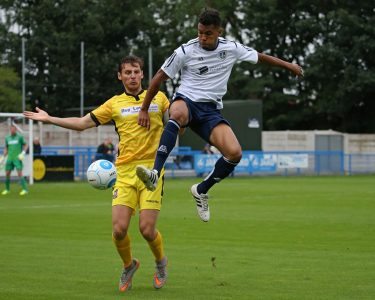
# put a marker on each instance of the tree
(10, 96)
(54, 30)
(333, 40)
(342, 68)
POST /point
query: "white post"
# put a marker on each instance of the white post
(31, 152)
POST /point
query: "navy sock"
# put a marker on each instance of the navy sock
(222, 169)
(167, 143)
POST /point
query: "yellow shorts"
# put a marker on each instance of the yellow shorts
(129, 190)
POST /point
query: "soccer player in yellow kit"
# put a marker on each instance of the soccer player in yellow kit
(136, 145)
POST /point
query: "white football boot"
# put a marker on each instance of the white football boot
(202, 203)
(148, 177)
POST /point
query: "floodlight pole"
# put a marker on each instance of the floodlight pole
(82, 76)
(150, 71)
(23, 76)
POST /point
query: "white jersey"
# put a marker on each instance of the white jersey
(205, 73)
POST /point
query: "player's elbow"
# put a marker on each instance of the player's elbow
(79, 128)
(83, 124)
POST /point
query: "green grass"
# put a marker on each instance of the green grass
(270, 238)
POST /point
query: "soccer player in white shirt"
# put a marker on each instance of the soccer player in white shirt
(205, 64)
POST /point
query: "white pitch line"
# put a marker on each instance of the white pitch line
(55, 206)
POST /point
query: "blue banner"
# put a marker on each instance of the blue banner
(262, 162)
(204, 163)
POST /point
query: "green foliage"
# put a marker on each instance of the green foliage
(10, 96)
(332, 40)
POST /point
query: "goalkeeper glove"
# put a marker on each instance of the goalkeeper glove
(21, 156)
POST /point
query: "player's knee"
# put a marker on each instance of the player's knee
(119, 233)
(147, 231)
(234, 155)
(179, 116)
(179, 119)
(238, 156)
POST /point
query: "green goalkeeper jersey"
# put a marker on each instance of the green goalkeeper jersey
(14, 144)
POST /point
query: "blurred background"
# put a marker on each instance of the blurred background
(63, 57)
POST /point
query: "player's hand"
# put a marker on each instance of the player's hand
(144, 119)
(296, 70)
(39, 115)
(21, 156)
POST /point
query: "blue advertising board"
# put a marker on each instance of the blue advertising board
(250, 162)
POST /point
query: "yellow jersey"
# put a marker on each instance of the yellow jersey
(135, 142)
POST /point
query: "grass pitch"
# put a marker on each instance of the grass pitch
(268, 238)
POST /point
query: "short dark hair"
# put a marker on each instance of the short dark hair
(210, 16)
(131, 59)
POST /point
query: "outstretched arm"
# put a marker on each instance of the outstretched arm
(277, 62)
(78, 124)
(143, 117)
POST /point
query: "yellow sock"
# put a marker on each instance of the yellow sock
(156, 247)
(124, 250)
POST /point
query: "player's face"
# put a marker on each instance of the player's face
(13, 130)
(208, 36)
(131, 76)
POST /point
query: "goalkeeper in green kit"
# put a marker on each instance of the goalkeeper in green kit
(14, 153)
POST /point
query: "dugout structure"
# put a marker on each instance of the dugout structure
(245, 117)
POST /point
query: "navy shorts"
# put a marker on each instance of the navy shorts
(203, 116)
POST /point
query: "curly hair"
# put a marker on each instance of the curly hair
(210, 16)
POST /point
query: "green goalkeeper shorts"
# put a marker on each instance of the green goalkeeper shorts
(13, 163)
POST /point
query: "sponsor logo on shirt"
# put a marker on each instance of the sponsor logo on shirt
(13, 142)
(203, 70)
(213, 69)
(132, 110)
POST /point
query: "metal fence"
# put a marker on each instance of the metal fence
(184, 161)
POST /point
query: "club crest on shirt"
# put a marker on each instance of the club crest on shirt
(223, 54)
